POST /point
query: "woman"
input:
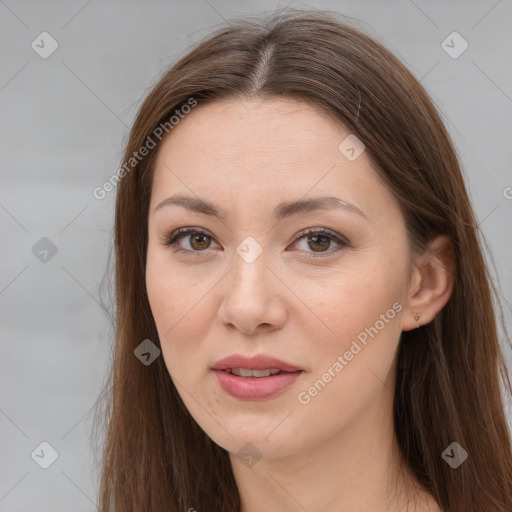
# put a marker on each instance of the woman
(304, 316)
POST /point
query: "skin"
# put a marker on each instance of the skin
(337, 452)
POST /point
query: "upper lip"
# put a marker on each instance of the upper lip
(257, 362)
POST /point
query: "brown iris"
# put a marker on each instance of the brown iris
(325, 239)
(203, 239)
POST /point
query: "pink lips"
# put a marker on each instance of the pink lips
(255, 388)
(258, 362)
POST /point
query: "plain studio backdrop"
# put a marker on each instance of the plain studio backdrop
(72, 76)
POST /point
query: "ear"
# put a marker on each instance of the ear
(431, 283)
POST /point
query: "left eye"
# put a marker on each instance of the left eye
(318, 240)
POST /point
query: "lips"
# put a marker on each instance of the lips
(256, 388)
(257, 362)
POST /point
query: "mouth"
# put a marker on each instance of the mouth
(256, 377)
(258, 374)
(249, 384)
(259, 365)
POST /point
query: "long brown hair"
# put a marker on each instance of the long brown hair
(156, 458)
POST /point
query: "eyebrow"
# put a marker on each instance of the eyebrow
(282, 210)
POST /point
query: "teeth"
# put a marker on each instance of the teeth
(247, 372)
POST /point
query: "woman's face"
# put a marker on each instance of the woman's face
(254, 281)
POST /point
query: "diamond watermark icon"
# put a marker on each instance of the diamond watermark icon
(44, 45)
(351, 147)
(249, 455)
(249, 249)
(44, 250)
(147, 352)
(454, 45)
(44, 455)
(454, 455)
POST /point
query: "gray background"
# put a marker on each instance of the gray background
(64, 120)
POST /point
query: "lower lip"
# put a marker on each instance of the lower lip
(255, 388)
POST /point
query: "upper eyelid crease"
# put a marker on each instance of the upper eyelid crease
(282, 210)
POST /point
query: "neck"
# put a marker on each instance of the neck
(357, 468)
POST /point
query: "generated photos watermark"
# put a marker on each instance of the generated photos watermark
(304, 397)
(158, 133)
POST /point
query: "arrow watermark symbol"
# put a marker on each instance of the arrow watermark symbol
(351, 147)
(147, 352)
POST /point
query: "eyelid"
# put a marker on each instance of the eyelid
(324, 231)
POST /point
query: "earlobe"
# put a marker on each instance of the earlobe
(417, 317)
(433, 284)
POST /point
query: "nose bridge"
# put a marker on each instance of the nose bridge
(250, 268)
(250, 294)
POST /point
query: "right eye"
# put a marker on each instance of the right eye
(198, 242)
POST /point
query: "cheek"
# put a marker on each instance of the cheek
(360, 311)
(350, 367)
(173, 293)
(175, 302)
(352, 299)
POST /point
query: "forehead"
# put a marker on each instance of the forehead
(267, 149)
(245, 130)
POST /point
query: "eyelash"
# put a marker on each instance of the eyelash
(180, 233)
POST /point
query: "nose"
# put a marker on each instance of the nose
(252, 297)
